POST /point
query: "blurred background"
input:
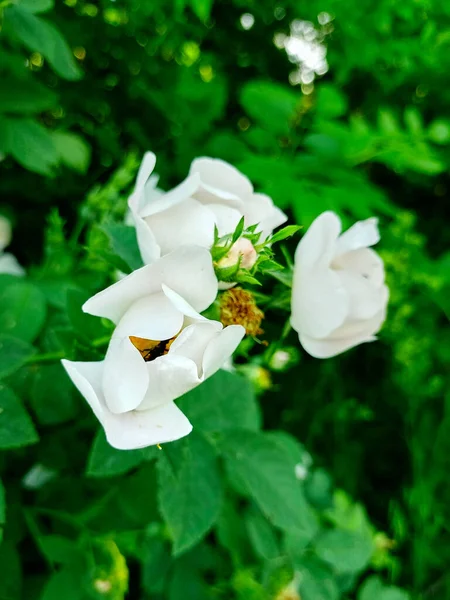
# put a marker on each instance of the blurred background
(324, 105)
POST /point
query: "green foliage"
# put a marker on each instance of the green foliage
(86, 89)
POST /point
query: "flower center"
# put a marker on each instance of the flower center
(238, 307)
(151, 349)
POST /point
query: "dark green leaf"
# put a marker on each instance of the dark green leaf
(16, 427)
(268, 473)
(52, 395)
(345, 550)
(25, 96)
(2, 510)
(224, 401)
(272, 105)
(40, 36)
(190, 490)
(37, 6)
(13, 354)
(262, 535)
(106, 461)
(73, 151)
(22, 309)
(124, 243)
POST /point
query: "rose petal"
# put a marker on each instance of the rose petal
(220, 180)
(9, 264)
(317, 246)
(125, 378)
(225, 217)
(360, 235)
(220, 348)
(188, 271)
(193, 341)
(320, 302)
(259, 208)
(170, 377)
(188, 222)
(152, 317)
(127, 431)
(172, 198)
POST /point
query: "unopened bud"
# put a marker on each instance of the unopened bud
(244, 250)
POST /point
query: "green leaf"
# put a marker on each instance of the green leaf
(272, 105)
(261, 535)
(37, 6)
(11, 579)
(202, 8)
(29, 143)
(284, 233)
(124, 243)
(2, 510)
(374, 589)
(345, 551)
(316, 581)
(16, 427)
(86, 326)
(73, 151)
(268, 473)
(224, 401)
(22, 309)
(40, 36)
(25, 96)
(190, 490)
(238, 231)
(330, 102)
(106, 461)
(13, 354)
(187, 583)
(52, 395)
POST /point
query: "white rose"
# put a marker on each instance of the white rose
(8, 262)
(339, 298)
(156, 309)
(214, 194)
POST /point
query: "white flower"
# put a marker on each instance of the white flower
(8, 262)
(214, 194)
(339, 298)
(156, 309)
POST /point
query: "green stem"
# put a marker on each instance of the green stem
(59, 354)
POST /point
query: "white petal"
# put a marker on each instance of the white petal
(152, 317)
(366, 299)
(317, 246)
(320, 302)
(125, 378)
(180, 304)
(9, 264)
(193, 341)
(351, 335)
(148, 246)
(360, 235)
(225, 217)
(145, 170)
(220, 180)
(87, 377)
(259, 208)
(172, 198)
(188, 222)
(138, 429)
(188, 271)
(364, 262)
(170, 377)
(220, 348)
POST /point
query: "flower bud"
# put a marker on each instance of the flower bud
(242, 254)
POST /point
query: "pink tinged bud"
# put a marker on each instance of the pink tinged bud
(242, 249)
